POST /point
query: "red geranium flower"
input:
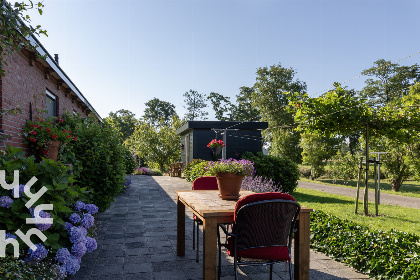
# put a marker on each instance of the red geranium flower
(54, 136)
(32, 132)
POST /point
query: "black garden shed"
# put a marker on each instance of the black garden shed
(239, 137)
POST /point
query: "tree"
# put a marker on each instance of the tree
(244, 110)
(123, 121)
(221, 105)
(15, 27)
(271, 97)
(392, 81)
(317, 149)
(157, 110)
(158, 147)
(195, 103)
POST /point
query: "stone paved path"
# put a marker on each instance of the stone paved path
(138, 241)
(389, 199)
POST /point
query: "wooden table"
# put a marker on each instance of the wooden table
(212, 210)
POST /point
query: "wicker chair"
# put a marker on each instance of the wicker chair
(201, 183)
(262, 231)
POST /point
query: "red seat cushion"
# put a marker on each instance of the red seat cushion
(261, 196)
(273, 253)
(205, 183)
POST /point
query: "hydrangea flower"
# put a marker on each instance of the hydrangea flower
(78, 249)
(39, 254)
(68, 226)
(74, 218)
(9, 235)
(61, 271)
(77, 234)
(91, 209)
(62, 255)
(45, 215)
(91, 244)
(72, 266)
(87, 220)
(79, 206)
(5, 201)
(21, 190)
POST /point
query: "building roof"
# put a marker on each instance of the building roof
(190, 125)
(60, 73)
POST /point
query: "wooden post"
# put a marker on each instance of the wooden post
(375, 175)
(359, 177)
(366, 194)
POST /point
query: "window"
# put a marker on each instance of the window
(51, 104)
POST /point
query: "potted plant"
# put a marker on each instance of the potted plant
(216, 146)
(46, 136)
(229, 174)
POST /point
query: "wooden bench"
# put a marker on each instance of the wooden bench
(175, 169)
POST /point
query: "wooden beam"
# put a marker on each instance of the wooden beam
(47, 72)
(67, 92)
(32, 59)
(60, 84)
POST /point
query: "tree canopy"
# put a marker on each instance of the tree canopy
(195, 104)
(123, 121)
(158, 111)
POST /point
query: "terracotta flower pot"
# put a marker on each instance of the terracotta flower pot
(50, 150)
(229, 185)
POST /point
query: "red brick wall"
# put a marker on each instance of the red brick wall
(18, 88)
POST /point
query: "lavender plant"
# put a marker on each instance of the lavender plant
(260, 184)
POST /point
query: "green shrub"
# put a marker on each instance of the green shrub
(130, 162)
(343, 166)
(282, 171)
(195, 169)
(49, 174)
(157, 172)
(305, 171)
(382, 254)
(102, 157)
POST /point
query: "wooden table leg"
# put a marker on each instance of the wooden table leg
(180, 232)
(302, 238)
(209, 248)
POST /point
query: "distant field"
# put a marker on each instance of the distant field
(400, 218)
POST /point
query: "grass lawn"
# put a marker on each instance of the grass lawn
(408, 188)
(400, 218)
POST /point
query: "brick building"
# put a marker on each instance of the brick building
(34, 84)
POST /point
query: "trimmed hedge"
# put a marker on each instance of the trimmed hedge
(381, 254)
(282, 171)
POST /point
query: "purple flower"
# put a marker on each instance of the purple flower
(61, 271)
(74, 218)
(72, 266)
(5, 201)
(44, 215)
(79, 206)
(87, 221)
(91, 244)
(21, 190)
(9, 235)
(91, 209)
(68, 226)
(77, 234)
(260, 184)
(78, 249)
(39, 254)
(62, 255)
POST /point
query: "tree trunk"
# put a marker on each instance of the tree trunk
(396, 184)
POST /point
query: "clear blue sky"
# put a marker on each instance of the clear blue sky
(121, 54)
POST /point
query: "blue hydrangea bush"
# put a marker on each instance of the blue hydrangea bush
(72, 228)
